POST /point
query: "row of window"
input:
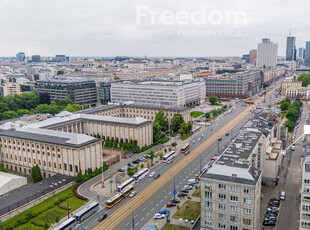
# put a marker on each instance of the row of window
(208, 195)
(232, 208)
(232, 188)
(223, 226)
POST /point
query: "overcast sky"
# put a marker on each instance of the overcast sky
(125, 27)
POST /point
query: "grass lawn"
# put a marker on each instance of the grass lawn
(197, 192)
(190, 210)
(217, 104)
(48, 211)
(196, 114)
(283, 114)
(184, 137)
(173, 227)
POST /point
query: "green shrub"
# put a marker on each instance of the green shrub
(46, 226)
(9, 227)
(37, 223)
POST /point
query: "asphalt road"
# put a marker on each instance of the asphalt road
(149, 208)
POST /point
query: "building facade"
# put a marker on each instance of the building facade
(243, 84)
(307, 54)
(80, 91)
(159, 93)
(20, 56)
(293, 92)
(267, 53)
(11, 88)
(104, 94)
(290, 48)
(231, 187)
(252, 56)
(288, 82)
(305, 197)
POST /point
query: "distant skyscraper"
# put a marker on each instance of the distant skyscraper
(20, 56)
(252, 56)
(61, 58)
(301, 52)
(36, 58)
(290, 48)
(267, 53)
(307, 54)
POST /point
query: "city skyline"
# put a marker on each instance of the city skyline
(77, 28)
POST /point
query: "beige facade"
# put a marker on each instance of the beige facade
(11, 89)
(287, 83)
(296, 91)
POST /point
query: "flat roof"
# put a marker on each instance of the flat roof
(65, 80)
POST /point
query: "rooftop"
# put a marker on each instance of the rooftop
(65, 80)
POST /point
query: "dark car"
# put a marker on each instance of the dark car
(227, 134)
(135, 162)
(102, 217)
(156, 175)
(130, 164)
(180, 194)
(269, 223)
(175, 201)
(121, 170)
(184, 191)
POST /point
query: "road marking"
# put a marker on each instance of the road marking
(127, 223)
(152, 209)
(157, 204)
(161, 200)
(144, 208)
(151, 202)
(147, 213)
(142, 218)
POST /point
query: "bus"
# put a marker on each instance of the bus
(67, 225)
(185, 148)
(141, 174)
(127, 183)
(168, 156)
(86, 212)
(114, 200)
(127, 191)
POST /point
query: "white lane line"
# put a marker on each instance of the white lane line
(144, 208)
(142, 218)
(161, 200)
(151, 202)
(127, 223)
(152, 209)
(147, 214)
(136, 224)
(157, 204)
(166, 196)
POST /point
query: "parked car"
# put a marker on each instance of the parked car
(156, 175)
(185, 191)
(282, 195)
(180, 194)
(130, 165)
(159, 216)
(163, 211)
(193, 181)
(269, 223)
(227, 134)
(175, 201)
(273, 218)
(135, 162)
(151, 174)
(169, 162)
(187, 187)
(273, 209)
(121, 170)
(133, 193)
(170, 204)
(102, 217)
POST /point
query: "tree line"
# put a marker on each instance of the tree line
(292, 112)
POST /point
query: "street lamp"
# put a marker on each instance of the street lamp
(133, 219)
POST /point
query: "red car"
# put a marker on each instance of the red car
(170, 204)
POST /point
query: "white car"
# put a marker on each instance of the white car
(133, 193)
(152, 174)
(159, 216)
(187, 187)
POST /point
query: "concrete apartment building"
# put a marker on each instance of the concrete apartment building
(267, 53)
(159, 92)
(10, 89)
(80, 91)
(240, 85)
(252, 56)
(305, 197)
(231, 187)
(270, 74)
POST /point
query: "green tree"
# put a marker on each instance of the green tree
(292, 114)
(265, 85)
(176, 122)
(1, 167)
(215, 113)
(161, 119)
(132, 171)
(142, 166)
(60, 72)
(305, 78)
(151, 155)
(290, 125)
(186, 128)
(44, 98)
(148, 164)
(224, 106)
(22, 112)
(161, 155)
(85, 106)
(36, 174)
(72, 107)
(284, 105)
(156, 132)
(208, 115)
(213, 99)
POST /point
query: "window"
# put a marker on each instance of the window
(247, 211)
(222, 216)
(222, 196)
(233, 208)
(222, 186)
(76, 168)
(65, 166)
(208, 195)
(246, 221)
(233, 228)
(59, 166)
(222, 206)
(233, 219)
(221, 226)
(247, 201)
(208, 214)
(70, 167)
(247, 191)
(234, 198)
(233, 188)
(208, 223)
(208, 204)
(305, 224)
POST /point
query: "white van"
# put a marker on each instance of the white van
(193, 181)
(282, 196)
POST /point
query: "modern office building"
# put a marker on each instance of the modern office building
(307, 54)
(231, 187)
(252, 56)
(159, 92)
(104, 94)
(20, 56)
(301, 52)
(35, 58)
(61, 58)
(240, 85)
(290, 48)
(267, 53)
(305, 197)
(80, 91)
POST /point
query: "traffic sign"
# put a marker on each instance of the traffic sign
(174, 192)
(220, 139)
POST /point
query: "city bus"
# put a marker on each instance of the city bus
(86, 212)
(114, 200)
(185, 148)
(67, 225)
(141, 174)
(127, 191)
(168, 156)
(127, 183)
